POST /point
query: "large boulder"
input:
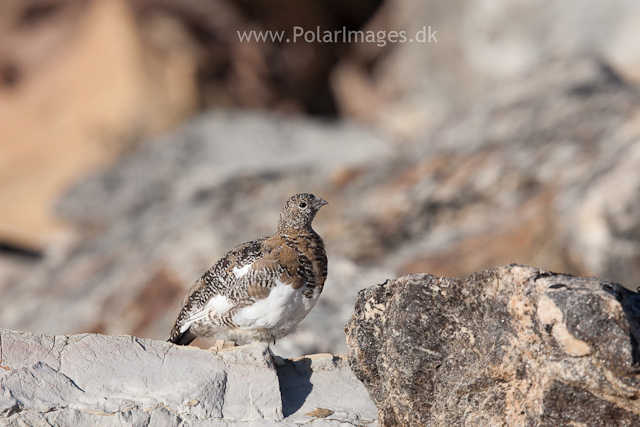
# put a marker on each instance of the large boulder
(510, 346)
(103, 380)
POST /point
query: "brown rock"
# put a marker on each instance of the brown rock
(510, 346)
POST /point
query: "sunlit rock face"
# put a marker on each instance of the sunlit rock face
(510, 346)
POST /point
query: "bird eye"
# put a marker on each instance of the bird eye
(302, 205)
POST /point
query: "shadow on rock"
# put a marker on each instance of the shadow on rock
(295, 384)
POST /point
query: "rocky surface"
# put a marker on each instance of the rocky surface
(510, 346)
(541, 173)
(104, 381)
(513, 140)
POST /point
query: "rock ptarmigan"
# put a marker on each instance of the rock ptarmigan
(260, 290)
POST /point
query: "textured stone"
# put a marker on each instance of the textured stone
(100, 380)
(511, 346)
(113, 374)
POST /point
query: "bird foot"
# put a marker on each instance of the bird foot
(223, 345)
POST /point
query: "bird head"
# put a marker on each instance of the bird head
(299, 211)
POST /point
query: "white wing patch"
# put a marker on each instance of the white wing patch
(218, 304)
(239, 272)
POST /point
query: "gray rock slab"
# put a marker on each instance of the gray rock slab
(110, 375)
(101, 380)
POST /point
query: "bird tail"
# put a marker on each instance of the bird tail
(182, 338)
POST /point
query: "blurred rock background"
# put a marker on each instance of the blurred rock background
(140, 140)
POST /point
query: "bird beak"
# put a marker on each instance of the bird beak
(320, 202)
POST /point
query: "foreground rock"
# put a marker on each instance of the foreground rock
(511, 346)
(103, 381)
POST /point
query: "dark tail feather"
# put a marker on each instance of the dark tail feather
(183, 338)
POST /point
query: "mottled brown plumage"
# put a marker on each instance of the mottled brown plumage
(260, 290)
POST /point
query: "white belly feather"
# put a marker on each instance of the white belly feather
(281, 311)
